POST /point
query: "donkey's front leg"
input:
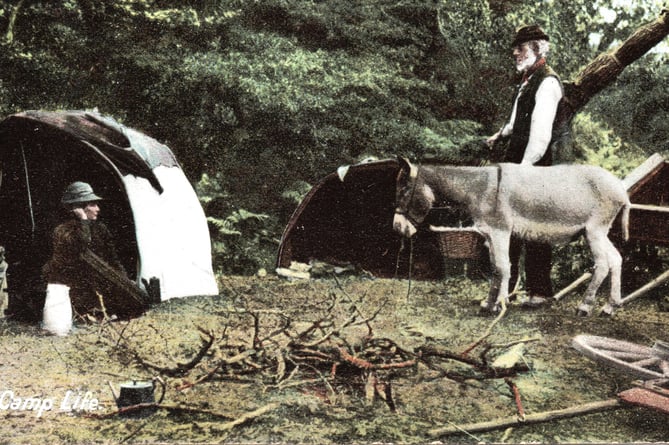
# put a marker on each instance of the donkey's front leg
(498, 244)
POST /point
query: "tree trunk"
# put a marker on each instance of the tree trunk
(606, 67)
(9, 36)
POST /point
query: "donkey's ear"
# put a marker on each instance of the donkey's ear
(407, 167)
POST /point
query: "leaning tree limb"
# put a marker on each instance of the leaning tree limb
(602, 71)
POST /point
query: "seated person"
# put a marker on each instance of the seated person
(80, 231)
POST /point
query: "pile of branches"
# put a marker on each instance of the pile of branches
(338, 349)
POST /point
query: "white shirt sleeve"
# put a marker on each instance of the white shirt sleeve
(547, 98)
(507, 129)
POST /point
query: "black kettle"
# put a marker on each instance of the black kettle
(139, 392)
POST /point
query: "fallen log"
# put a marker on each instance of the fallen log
(122, 296)
(529, 419)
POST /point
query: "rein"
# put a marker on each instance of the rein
(413, 175)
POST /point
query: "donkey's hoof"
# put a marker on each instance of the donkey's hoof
(489, 308)
(584, 310)
(608, 310)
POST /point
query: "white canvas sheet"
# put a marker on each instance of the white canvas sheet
(172, 234)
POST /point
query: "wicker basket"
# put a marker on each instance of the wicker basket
(462, 243)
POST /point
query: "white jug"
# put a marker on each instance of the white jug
(57, 314)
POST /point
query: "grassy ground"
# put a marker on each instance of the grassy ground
(307, 406)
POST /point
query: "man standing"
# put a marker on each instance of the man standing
(531, 136)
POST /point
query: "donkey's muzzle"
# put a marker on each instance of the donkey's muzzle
(403, 226)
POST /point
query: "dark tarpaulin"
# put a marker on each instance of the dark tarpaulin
(130, 151)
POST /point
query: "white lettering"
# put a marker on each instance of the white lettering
(31, 403)
(65, 405)
(7, 393)
(9, 401)
(71, 401)
(47, 404)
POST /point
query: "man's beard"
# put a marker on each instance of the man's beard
(526, 63)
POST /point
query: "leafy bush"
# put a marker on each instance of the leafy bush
(601, 146)
(242, 241)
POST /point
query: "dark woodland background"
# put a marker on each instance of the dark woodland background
(261, 99)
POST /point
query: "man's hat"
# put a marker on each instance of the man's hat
(527, 33)
(79, 192)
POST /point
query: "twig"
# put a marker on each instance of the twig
(516, 398)
(172, 408)
(427, 351)
(366, 320)
(135, 432)
(530, 419)
(250, 416)
(224, 361)
(458, 428)
(332, 332)
(486, 372)
(364, 364)
(515, 342)
(181, 368)
(488, 331)
(387, 389)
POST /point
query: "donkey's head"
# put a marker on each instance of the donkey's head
(413, 199)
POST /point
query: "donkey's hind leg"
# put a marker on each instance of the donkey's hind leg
(598, 243)
(615, 266)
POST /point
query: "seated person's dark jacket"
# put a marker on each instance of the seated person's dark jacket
(70, 240)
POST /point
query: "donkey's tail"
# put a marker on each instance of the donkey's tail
(626, 221)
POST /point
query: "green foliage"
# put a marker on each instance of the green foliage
(637, 106)
(263, 95)
(454, 142)
(242, 240)
(296, 192)
(601, 146)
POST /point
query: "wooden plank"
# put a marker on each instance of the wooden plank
(651, 208)
(643, 173)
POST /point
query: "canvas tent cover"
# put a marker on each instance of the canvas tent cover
(346, 218)
(149, 205)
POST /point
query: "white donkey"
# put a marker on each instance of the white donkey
(549, 204)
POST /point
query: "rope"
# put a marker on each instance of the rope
(410, 267)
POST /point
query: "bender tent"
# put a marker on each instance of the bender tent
(150, 207)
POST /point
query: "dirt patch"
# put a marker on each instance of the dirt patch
(444, 314)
